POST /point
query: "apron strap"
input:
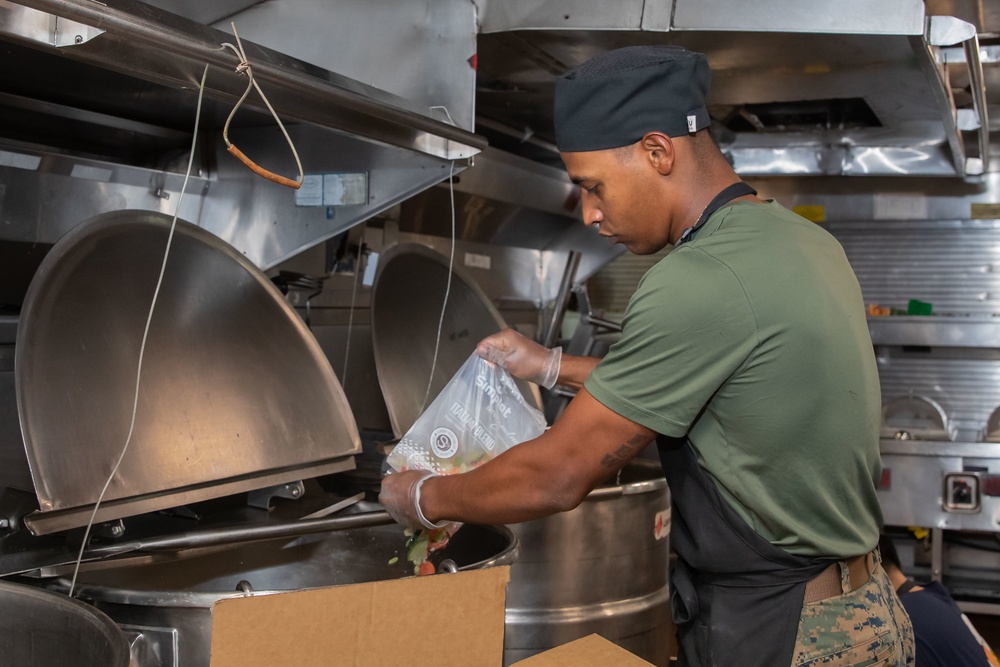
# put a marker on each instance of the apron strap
(728, 194)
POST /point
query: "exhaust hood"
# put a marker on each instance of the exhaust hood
(100, 105)
(96, 115)
(798, 88)
(157, 46)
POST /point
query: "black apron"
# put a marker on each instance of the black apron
(736, 597)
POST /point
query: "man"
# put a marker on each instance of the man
(944, 636)
(744, 353)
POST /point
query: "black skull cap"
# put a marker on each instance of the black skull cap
(614, 99)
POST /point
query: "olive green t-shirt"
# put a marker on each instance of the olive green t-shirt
(751, 339)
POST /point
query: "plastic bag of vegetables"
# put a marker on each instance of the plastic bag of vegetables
(478, 415)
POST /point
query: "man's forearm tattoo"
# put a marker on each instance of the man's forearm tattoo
(617, 458)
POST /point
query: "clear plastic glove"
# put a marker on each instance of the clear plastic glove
(400, 497)
(522, 357)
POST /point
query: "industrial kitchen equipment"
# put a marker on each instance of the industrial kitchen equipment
(940, 484)
(915, 418)
(407, 300)
(40, 628)
(237, 411)
(851, 89)
(166, 607)
(231, 377)
(569, 578)
(565, 583)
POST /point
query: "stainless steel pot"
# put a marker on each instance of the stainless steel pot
(40, 628)
(166, 607)
(600, 568)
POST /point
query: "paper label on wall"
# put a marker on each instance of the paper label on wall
(368, 277)
(478, 261)
(310, 193)
(91, 173)
(335, 189)
(345, 189)
(903, 206)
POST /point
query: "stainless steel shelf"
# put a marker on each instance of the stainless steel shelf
(940, 448)
(935, 331)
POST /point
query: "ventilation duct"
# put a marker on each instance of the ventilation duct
(798, 88)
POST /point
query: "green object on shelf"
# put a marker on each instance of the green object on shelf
(915, 307)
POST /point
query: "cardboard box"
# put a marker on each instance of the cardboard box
(590, 651)
(453, 620)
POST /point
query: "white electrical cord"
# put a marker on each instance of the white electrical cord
(145, 335)
(350, 318)
(447, 290)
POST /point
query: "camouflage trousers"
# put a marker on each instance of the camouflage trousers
(866, 627)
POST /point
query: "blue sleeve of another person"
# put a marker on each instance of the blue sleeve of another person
(943, 640)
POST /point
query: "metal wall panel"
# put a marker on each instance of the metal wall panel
(503, 15)
(895, 17)
(954, 265)
(418, 49)
(513, 274)
(611, 288)
(887, 17)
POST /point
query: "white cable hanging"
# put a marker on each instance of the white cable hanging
(350, 318)
(447, 289)
(145, 336)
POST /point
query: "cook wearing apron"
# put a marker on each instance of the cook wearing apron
(744, 352)
(747, 349)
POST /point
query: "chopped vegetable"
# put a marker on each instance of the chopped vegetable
(422, 543)
(876, 310)
(393, 560)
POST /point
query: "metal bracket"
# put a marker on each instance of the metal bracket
(262, 497)
(114, 529)
(152, 646)
(39, 26)
(948, 31)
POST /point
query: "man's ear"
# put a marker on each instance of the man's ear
(659, 150)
